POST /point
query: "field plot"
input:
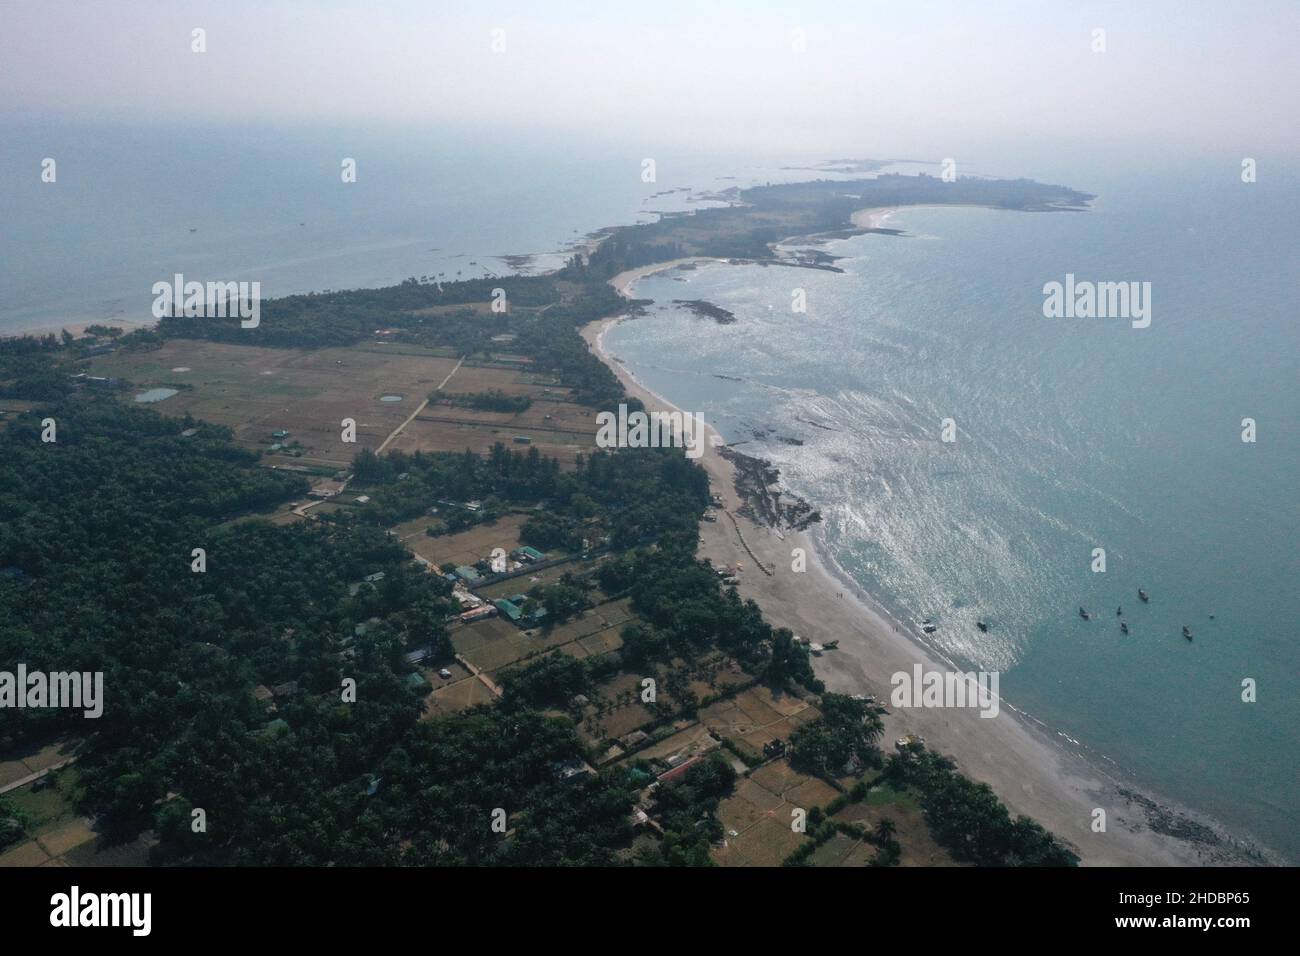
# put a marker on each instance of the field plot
(718, 675)
(913, 834)
(53, 826)
(756, 716)
(46, 757)
(554, 424)
(767, 843)
(526, 582)
(463, 547)
(257, 391)
(489, 644)
(756, 818)
(458, 692)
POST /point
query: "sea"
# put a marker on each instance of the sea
(1089, 458)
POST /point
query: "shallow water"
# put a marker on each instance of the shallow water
(1070, 435)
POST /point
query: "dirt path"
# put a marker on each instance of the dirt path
(398, 430)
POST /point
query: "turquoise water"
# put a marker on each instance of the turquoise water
(1072, 434)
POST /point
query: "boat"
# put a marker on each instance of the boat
(1143, 595)
(1085, 615)
(1119, 611)
(929, 628)
(982, 626)
(1123, 628)
(1187, 632)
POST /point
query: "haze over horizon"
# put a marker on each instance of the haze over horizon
(932, 80)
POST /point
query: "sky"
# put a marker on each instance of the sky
(914, 78)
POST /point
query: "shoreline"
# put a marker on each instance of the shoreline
(1013, 753)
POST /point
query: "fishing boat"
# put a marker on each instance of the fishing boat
(1143, 595)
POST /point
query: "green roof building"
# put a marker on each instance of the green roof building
(509, 609)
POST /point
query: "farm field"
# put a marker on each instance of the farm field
(462, 547)
(256, 390)
(557, 426)
(56, 835)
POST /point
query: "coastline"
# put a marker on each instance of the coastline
(1030, 772)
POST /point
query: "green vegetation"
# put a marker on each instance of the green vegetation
(841, 742)
(493, 400)
(969, 820)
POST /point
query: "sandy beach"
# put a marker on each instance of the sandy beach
(79, 328)
(1027, 769)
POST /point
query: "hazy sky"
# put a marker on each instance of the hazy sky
(906, 77)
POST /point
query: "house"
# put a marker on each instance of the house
(466, 573)
(678, 771)
(523, 440)
(774, 748)
(572, 769)
(417, 655)
(466, 599)
(189, 433)
(281, 434)
(363, 499)
(285, 690)
(377, 576)
(509, 610)
(633, 740)
(528, 554)
(478, 614)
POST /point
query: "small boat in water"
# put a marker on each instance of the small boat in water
(1085, 615)
(1119, 611)
(1123, 628)
(1143, 595)
(982, 626)
(1187, 632)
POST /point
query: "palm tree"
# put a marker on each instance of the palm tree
(885, 830)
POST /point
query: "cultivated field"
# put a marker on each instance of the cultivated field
(462, 547)
(557, 426)
(256, 391)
